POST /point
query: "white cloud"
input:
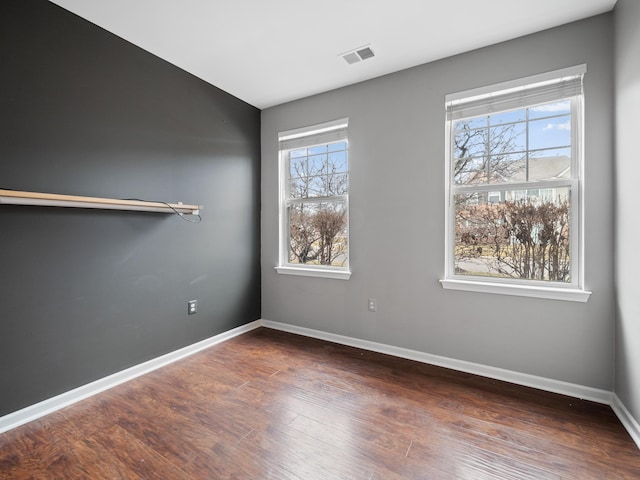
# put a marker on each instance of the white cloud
(558, 126)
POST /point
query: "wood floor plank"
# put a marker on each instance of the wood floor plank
(272, 405)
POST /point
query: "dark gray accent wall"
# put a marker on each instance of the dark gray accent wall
(86, 293)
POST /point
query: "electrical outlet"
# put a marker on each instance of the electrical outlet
(373, 305)
(192, 307)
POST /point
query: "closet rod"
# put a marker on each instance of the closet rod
(13, 197)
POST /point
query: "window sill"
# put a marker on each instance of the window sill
(535, 291)
(315, 272)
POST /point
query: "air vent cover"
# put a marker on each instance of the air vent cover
(358, 54)
(351, 58)
(365, 53)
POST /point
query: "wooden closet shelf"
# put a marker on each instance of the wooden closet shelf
(13, 197)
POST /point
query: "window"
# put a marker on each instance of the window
(514, 188)
(314, 201)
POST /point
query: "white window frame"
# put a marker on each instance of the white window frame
(314, 135)
(504, 97)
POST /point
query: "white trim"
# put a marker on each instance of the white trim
(570, 183)
(315, 272)
(533, 291)
(630, 424)
(63, 400)
(541, 383)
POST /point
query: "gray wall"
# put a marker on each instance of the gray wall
(396, 133)
(627, 69)
(85, 293)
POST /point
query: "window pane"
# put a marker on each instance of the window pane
(477, 122)
(308, 187)
(337, 162)
(337, 184)
(317, 149)
(301, 152)
(522, 234)
(470, 171)
(318, 233)
(298, 167)
(550, 164)
(507, 168)
(469, 142)
(550, 109)
(317, 186)
(317, 164)
(550, 132)
(318, 174)
(508, 138)
(508, 117)
(334, 147)
(298, 188)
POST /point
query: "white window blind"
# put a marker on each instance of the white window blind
(329, 132)
(477, 103)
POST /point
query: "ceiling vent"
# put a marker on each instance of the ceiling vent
(358, 55)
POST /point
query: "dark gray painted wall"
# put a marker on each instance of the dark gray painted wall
(627, 61)
(85, 293)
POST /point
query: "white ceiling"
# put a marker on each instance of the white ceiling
(268, 52)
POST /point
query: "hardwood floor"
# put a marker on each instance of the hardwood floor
(271, 405)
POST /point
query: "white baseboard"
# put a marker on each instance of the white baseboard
(556, 386)
(63, 400)
(547, 384)
(627, 420)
